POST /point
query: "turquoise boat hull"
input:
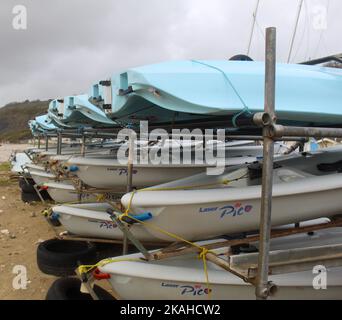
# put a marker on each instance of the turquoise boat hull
(181, 91)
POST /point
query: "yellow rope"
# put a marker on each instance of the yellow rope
(87, 268)
(202, 256)
(203, 250)
(225, 182)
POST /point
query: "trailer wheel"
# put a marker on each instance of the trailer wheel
(69, 289)
(29, 197)
(26, 187)
(61, 257)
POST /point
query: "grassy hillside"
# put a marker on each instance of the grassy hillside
(14, 117)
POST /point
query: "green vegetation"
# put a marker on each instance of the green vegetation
(14, 117)
(4, 174)
(5, 166)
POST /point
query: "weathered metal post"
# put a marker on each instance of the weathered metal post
(129, 179)
(83, 145)
(262, 285)
(130, 162)
(83, 151)
(59, 143)
(46, 143)
(38, 141)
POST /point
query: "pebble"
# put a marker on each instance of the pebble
(5, 231)
(39, 241)
(33, 214)
(12, 236)
(3, 198)
(1, 211)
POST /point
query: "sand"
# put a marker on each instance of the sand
(26, 227)
(6, 150)
(22, 228)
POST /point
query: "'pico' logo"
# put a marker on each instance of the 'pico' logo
(107, 225)
(237, 210)
(196, 290)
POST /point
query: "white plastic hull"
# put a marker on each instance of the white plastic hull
(183, 278)
(65, 195)
(40, 179)
(136, 288)
(116, 176)
(300, 192)
(91, 220)
(18, 160)
(202, 219)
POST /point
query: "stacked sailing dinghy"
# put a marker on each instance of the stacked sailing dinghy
(304, 187)
(194, 205)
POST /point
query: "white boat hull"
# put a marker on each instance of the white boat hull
(65, 193)
(91, 220)
(41, 177)
(137, 288)
(183, 278)
(116, 176)
(203, 213)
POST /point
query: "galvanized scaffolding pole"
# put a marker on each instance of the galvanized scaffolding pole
(59, 143)
(262, 286)
(131, 143)
(38, 144)
(83, 145)
(46, 143)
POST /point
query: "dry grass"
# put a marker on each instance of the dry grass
(5, 174)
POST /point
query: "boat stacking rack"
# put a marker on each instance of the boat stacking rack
(253, 268)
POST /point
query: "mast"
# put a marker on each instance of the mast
(253, 26)
(295, 30)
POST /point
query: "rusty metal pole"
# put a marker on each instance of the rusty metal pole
(83, 145)
(59, 143)
(46, 143)
(262, 285)
(38, 145)
(80, 182)
(129, 180)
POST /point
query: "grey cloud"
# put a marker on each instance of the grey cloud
(69, 44)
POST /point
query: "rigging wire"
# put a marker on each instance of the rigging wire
(306, 22)
(295, 30)
(255, 12)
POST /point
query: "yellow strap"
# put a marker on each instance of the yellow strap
(203, 251)
(225, 182)
(202, 256)
(87, 268)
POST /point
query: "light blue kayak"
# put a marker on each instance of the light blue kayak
(179, 91)
(78, 111)
(41, 124)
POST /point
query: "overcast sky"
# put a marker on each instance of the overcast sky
(69, 44)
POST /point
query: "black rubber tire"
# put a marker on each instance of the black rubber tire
(29, 197)
(69, 289)
(61, 257)
(28, 188)
(241, 57)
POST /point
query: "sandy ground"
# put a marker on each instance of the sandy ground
(22, 228)
(6, 150)
(26, 228)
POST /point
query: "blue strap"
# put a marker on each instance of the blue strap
(245, 109)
